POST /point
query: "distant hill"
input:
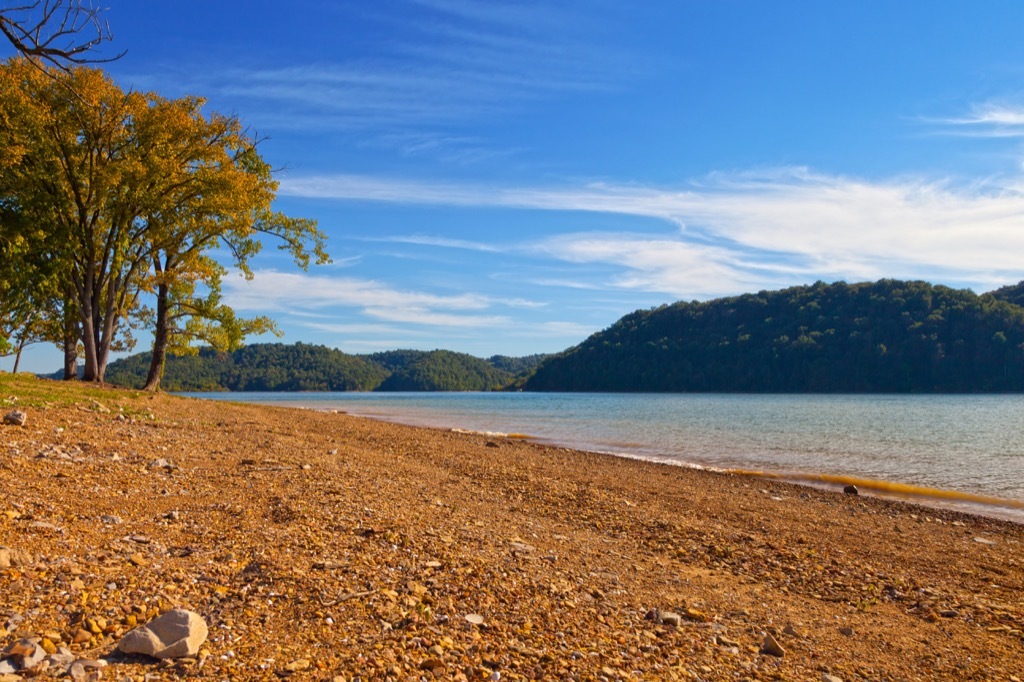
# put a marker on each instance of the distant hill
(885, 336)
(305, 367)
(259, 367)
(438, 370)
(518, 366)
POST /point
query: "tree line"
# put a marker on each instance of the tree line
(306, 367)
(885, 336)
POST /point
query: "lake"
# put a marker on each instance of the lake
(972, 444)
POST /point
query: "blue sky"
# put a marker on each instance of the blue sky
(510, 177)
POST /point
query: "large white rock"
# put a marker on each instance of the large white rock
(175, 634)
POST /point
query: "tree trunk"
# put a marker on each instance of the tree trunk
(156, 364)
(70, 348)
(17, 356)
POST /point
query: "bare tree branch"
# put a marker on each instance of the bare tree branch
(60, 32)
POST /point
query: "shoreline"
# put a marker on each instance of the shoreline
(328, 547)
(1006, 509)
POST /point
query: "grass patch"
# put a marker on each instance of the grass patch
(28, 390)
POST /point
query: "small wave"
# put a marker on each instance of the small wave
(494, 434)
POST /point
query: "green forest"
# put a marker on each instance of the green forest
(304, 367)
(885, 336)
(872, 337)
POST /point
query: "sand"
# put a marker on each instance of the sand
(327, 547)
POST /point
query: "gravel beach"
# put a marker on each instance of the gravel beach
(322, 546)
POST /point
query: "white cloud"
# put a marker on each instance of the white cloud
(990, 119)
(272, 291)
(443, 242)
(742, 231)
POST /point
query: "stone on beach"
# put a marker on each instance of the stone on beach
(15, 418)
(14, 557)
(772, 647)
(175, 634)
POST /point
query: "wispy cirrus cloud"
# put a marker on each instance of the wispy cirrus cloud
(444, 242)
(737, 231)
(277, 292)
(988, 119)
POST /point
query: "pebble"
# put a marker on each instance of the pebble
(847, 631)
(25, 653)
(111, 520)
(851, 490)
(84, 669)
(475, 618)
(772, 647)
(15, 418)
(299, 665)
(825, 677)
(669, 618)
(14, 557)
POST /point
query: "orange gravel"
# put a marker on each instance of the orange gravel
(325, 547)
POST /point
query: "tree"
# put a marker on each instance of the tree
(60, 32)
(126, 194)
(219, 191)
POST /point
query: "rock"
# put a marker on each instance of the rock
(7, 667)
(847, 631)
(984, 541)
(475, 618)
(62, 659)
(851, 490)
(432, 664)
(949, 613)
(697, 615)
(82, 636)
(84, 670)
(772, 647)
(175, 634)
(668, 618)
(791, 631)
(162, 463)
(111, 520)
(14, 557)
(299, 665)
(25, 653)
(15, 418)
(436, 650)
(825, 677)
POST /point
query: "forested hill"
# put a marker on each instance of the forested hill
(304, 367)
(439, 370)
(886, 336)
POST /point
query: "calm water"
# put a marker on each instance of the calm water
(971, 444)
